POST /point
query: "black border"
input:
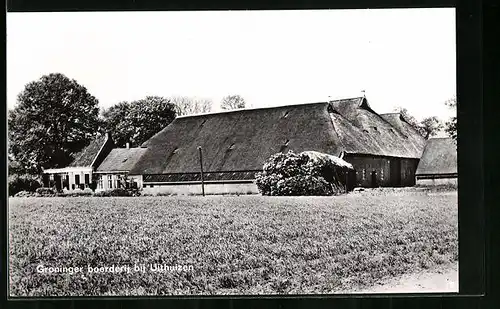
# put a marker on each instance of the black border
(472, 179)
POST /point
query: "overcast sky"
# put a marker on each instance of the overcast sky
(403, 57)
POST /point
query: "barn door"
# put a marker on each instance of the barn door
(395, 172)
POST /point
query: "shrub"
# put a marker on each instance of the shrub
(86, 192)
(307, 173)
(23, 182)
(118, 192)
(45, 192)
(24, 194)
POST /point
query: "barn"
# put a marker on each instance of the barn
(383, 149)
(438, 164)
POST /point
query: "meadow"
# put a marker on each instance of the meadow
(231, 245)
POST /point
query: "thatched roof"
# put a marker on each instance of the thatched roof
(439, 157)
(364, 131)
(121, 160)
(242, 140)
(403, 126)
(238, 140)
(87, 155)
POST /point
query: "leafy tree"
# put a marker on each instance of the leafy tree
(135, 122)
(232, 102)
(189, 106)
(431, 126)
(451, 125)
(54, 118)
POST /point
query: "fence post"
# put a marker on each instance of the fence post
(201, 171)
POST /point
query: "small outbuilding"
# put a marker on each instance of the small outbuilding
(438, 164)
(99, 166)
(78, 174)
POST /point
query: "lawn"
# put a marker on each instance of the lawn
(229, 244)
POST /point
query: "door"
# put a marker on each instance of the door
(395, 167)
(66, 182)
(57, 180)
(87, 180)
(374, 183)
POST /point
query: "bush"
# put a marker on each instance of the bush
(118, 192)
(306, 173)
(24, 194)
(45, 192)
(86, 192)
(23, 182)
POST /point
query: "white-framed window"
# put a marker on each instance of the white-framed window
(110, 181)
(382, 174)
(100, 182)
(364, 174)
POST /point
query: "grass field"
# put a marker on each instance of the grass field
(236, 245)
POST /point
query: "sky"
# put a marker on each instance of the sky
(399, 57)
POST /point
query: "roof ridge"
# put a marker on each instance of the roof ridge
(345, 99)
(248, 109)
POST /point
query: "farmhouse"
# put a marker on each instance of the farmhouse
(383, 149)
(438, 164)
(99, 163)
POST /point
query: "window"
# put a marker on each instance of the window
(364, 174)
(151, 186)
(87, 180)
(100, 182)
(77, 180)
(110, 181)
(382, 174)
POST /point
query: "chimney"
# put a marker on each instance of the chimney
(127, 145)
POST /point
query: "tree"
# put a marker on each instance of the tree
(427, 128)
(431, 126)
(232, 102)
(54, 118)
(135, 122)
(451, 125)
(189, 106)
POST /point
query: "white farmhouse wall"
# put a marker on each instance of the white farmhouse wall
(437, 181)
